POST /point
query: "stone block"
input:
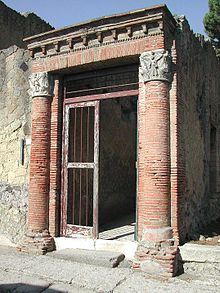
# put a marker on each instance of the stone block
(94, 257)
(152, 267)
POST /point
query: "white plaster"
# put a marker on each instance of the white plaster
(28, 141)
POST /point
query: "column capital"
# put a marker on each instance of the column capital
(41, 84)
(155, 65)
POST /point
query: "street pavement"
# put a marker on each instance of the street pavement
(20, 272)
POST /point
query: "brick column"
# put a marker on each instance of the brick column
(157, 252)
(55, 155)
(38, 238)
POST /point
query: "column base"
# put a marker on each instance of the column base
(157, 254)
(37, 242)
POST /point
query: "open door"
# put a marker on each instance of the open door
(80, 170)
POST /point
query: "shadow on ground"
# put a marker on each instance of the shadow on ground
(26, 288)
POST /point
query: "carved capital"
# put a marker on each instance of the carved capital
(155, 65)
(40, 85)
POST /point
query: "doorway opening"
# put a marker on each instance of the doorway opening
(99, 154)
(117, 175)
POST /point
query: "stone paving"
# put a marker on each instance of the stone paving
(21, 272)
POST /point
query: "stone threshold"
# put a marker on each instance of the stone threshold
(200, 253)
(128, 248)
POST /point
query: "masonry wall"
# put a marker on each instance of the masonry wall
(15, 26)
(15, 118)
(15, 107)
(198, 93)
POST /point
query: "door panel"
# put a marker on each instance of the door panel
(81, 134)
(80, 169)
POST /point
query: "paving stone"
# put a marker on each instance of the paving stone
(21, 283)
(200, 253)
(143, 284)
(93, 257)
(78, 274)
(66, 288)
(23, 273)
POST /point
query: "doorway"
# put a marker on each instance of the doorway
(99, 156)
(117, 174)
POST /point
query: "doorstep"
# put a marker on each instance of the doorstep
(128, 248)
(200, 253)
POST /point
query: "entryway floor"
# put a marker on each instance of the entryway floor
(117, 236)
(120, 229)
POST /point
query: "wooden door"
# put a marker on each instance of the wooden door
(80, 170)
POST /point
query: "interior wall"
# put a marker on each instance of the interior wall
(118, 126)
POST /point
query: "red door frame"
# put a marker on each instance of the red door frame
(83, 101)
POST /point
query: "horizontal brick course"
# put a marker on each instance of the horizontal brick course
(39, 165)
(153, 157)
(98, 54)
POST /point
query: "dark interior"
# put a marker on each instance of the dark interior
(117, 180)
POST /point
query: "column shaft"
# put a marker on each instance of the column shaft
(157, 251)
(154, 157)
(38, 210)
(38, 239)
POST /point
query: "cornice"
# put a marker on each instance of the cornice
(114, 29)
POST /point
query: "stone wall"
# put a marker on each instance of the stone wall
(198, 93)
(16, 26)
(15, 107)
(13, 209)
(15, 118)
